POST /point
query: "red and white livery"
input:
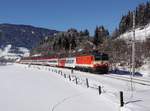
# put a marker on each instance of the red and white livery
(94, 62)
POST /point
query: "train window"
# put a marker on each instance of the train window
(105, 57)
(101, 57)
(98, 57)
(70, 61)
(53, 61)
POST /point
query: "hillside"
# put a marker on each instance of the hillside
(73, 41)
(22, 35)
(64, 42)
(141, 34)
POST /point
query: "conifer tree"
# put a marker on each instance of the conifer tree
(86, 32)
(100, 35)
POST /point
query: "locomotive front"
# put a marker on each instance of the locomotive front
(100, 63)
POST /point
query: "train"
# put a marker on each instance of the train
(95, 62)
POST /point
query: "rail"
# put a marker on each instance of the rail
(134, 79)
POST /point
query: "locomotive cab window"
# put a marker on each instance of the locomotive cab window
(97, 57)
(100, 57)
(105, 57)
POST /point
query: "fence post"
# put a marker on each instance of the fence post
(99, 90)
(69, 78)
(87, 83)
(71, 71)
(121, 99)
(64, 75)
(76, 80)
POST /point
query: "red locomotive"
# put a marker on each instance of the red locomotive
(93, 62)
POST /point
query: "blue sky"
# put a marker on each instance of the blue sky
(64, 14)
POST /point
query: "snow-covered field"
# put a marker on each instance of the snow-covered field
(37, 88)
(23, 89)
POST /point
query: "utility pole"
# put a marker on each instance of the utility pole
(133, 51)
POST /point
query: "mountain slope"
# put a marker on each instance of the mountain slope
(22, 35)
(141, 34)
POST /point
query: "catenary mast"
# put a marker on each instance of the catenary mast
(133, 50)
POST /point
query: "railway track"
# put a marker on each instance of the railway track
(129, 79)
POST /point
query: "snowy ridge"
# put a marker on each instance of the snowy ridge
(25, 51)
(7, 54)
(141, 34)
(5, 51)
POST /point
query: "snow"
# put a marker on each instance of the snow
(141, 34)
(135, 100)
(32, 32)
(25, 51)
(1, 52)
(31, 89)
(145, 69)
(6, 52)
